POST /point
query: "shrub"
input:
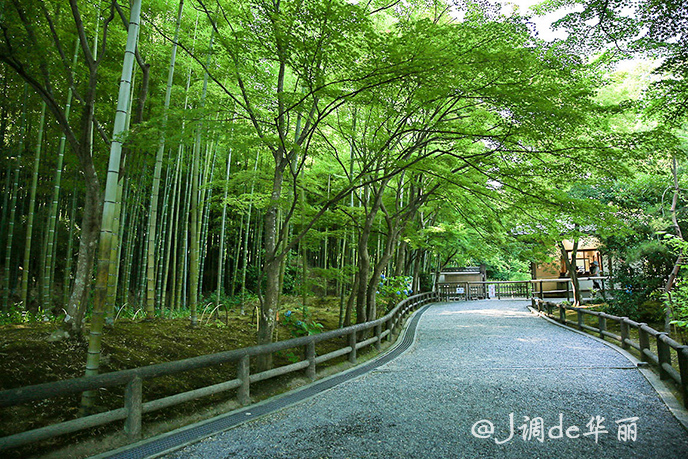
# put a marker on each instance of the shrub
(679, 303)
(301, 327)
(640, 281)
(391, 290)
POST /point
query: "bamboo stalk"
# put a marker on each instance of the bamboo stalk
(32, 205)
(248, 227)
(205, 197)
(13, 204)
(164, 246)
(50, 246)
(67, 282)
(106, 234)
(221, 261)
(152, 222)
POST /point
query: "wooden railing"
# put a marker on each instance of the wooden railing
(135, 407)
(665, 345)
(512, 289)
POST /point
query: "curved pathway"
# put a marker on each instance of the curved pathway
(477, 373)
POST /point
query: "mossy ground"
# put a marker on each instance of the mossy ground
(27, 358)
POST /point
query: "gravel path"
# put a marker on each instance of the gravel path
(474, 364)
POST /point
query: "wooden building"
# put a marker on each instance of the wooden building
(587, 254)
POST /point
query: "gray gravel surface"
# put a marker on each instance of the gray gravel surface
(472, 361)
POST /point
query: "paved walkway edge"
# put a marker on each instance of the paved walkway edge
(662, 389)
(165, 443)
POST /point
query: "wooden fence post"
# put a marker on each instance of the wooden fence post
(602, 325)
(562, 313)
(243, 373)
(625, 333)
(352, 344)
(310, 356)
(579, 314)
(683, 371)
(664, 355)
(644, 340)
(542, 295)
(604, 295)
(378, 333)
(133, 395)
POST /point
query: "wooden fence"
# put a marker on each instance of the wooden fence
(513, 289)
(665, 345)
(133, 379)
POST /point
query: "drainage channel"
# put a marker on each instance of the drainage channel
(186, 435)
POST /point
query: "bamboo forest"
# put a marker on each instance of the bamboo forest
(269, 169)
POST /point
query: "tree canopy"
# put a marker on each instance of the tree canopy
(313, 146)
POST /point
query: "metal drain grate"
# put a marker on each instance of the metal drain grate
(177, 439)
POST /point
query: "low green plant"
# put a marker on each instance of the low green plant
(302, 326)
(292, 357)
(18, 315)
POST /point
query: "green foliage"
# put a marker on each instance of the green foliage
(653, 28)
(320, 280)
(19, 315)
(679, 304)
(231, 302)
(345, 98)
(641, 277)
(391, 290)
(510, 269)
(302, 326)
(126, 312)
(677, 299)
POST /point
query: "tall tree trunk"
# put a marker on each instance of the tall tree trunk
(157, 172)
(90, 228)
(109, 204)
(244, 266)
(416, 271)
(572, 269)
(388, 251)
(67, 282)
(32, 206)
(13, 204)
(340, 281)
(194, 232)
(221, 257)
(183, 275)
(163, 246)
(364, 264)
(237, 258)
(50, 245)
(196, 206)
(206, 195)
(271, 268)
(171, 243)
(115, 250)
